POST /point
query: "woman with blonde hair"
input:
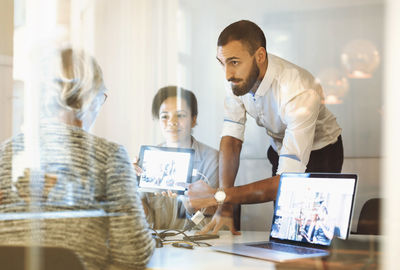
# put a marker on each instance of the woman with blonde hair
(86, 185)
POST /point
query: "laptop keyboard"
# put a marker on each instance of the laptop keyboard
(286, 248)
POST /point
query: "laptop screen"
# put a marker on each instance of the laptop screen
(312, 208)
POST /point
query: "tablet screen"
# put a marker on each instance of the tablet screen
(165, 168)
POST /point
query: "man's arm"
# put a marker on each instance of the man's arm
(231, 140)
(229, 159)
(257, 192)
(300, 116)
(202, 195)
(229, 156)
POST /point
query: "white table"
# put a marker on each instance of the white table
(169, 257)
(205, 258)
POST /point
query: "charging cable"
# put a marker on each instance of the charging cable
(196, 172)
(194, 221)
(205, 178)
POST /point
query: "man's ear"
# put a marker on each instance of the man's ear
(194, 121)
(261, 55)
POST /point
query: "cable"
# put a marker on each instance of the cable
(193, 221)
(161, 241)
(195, 173)
(160, 236)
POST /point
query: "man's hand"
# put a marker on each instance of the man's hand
(201, 195)
(223, 217)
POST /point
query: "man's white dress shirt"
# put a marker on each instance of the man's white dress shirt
(289, 105)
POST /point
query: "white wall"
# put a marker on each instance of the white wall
(135, 42)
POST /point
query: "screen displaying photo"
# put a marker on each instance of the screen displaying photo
(313, 210)
(165, 169)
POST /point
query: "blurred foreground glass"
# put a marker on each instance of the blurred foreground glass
(58, 181)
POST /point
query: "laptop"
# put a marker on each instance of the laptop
(165, 168)
(310, 209)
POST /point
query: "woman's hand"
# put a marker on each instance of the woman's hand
(136, 166)
(169, 194)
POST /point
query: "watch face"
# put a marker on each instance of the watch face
(220, 196)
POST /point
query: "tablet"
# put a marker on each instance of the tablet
(165, 168)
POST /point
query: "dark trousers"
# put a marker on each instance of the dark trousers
(327, 159)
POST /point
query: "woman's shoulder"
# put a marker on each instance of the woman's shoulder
(206, 161)
(110, 150)
(204, 149)
(94, 140)
(104, 142)
(78, 139)
(12, 145)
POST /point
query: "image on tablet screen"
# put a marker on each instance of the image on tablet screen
(165, 170)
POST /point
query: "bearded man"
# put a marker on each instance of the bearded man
(283, 98)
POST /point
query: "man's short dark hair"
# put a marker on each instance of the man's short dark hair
(245, 31)
(173, 91)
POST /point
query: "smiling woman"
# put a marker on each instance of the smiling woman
(176, 110)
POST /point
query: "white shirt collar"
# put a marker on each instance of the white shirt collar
(269, 76)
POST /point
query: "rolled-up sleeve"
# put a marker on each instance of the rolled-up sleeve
(234, 117)
(300, 115)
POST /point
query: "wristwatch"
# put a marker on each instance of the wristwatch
(220, 196)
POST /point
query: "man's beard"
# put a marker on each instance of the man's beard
(248, 83)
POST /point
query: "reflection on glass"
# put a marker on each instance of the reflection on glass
(334, 84)
(360, 58)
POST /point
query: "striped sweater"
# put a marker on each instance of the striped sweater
(84, 198)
